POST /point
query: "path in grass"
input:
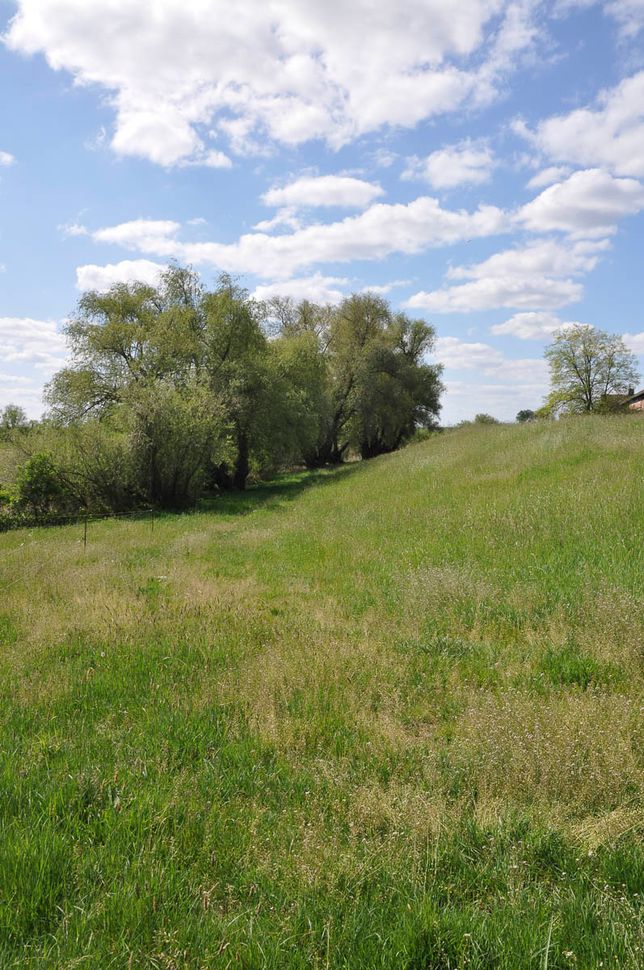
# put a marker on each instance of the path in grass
(380, 717)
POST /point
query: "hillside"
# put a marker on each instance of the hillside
(385, 716)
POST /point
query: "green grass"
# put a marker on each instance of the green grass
(383, 717)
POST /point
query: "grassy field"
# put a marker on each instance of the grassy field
(382, 717)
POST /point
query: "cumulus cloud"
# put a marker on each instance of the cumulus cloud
(176, 73)
(6, 159)
(458, 354)
(511, 383)
(589, 203)
(467, 163)
(608, 135)
(635, 342)
(101, 278)
(381, 289)
(320, 289)
(554, 173)
(286, 218)
(324, 190)
(493, 292)
(531, 326)
(501, 398)
(543, 258)
(35, 342)
(531, 277)
(379, 231)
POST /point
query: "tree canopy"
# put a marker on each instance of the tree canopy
(587, 366)
(190, 388)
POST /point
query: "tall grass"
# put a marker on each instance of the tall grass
(384, 717)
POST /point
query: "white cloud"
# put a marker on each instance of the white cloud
(531, 326)
(464, 399)
(6, 159)
(542, 258)
(609, 135)
(589, 203)
(24, 391)
(457, 354)
(381, 289)
(34, 342)
(284, 218)
(511, 383)
(467, 163)
(493, 292)
(635, 342)
(629, 15)
(73, 229)
(554, 173)
(176, 72)
(377, 232)
(530, 277)
(384, 157)
(151, 235)
(324, 190)
(101, 278)
(318, 288)
(207, 159)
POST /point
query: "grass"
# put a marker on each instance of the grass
(383, 717)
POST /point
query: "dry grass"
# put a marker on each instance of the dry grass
(388, 719)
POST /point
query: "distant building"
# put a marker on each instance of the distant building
(634, 402)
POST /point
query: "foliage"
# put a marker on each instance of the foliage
(378, 389)
(381, 716)
(198, 396)
(587, 366)
(485, 419)
(40, 488)
(12, 418)
(525, 415)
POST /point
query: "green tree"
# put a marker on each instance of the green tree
(378, 390)
(12, 418)
(40, 488)
(587, 365)
(483, 418)
(139, 356)
(525, 415)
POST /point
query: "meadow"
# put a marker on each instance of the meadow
(387, 716)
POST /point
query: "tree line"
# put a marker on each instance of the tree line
(176, 390)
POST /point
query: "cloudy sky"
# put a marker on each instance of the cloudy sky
(480, 162)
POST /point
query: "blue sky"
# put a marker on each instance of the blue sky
(480, 162)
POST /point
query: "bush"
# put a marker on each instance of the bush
(41, 492)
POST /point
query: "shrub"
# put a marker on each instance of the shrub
(41, 492)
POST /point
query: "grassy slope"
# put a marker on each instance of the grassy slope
(384, 717)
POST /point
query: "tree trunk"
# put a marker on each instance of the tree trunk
(242, 463)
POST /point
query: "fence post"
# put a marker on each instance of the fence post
(85, 535)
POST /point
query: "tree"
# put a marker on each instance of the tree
(12, 418)
(587, 365)
(139, 366)
(485, 419)
(378, 390)
(525, 415)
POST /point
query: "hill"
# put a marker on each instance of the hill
(385, 716)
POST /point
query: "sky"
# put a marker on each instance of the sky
(478, 162)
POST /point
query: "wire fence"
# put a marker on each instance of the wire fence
(84, 519)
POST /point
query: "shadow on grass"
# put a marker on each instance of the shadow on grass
(277, 492)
